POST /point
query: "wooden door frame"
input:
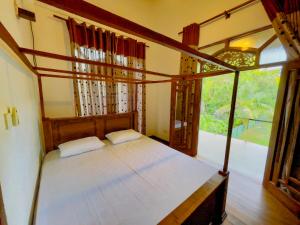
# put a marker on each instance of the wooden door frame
(268, 182)
(3, 220)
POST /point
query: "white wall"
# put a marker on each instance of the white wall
(20, 146)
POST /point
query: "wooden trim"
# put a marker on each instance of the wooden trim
(286, 125)
(174, 77)
(196, 209)
(278, 114)
(84, 73)
(12, 44)
(202, 75)
(97, 14)
(155, 81)
(40, 86)
(267, 65)
(159, 140)
(238, 36)
(222, 72)
(172, 112)
(86, 61)
(294, 131)
(226, 13)
(284, 198)
(267, 43)
(231, 121)
(196, 116)
(3, 220)
(112, 80)
(294, 180)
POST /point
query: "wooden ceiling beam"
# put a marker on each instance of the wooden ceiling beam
(99, 15)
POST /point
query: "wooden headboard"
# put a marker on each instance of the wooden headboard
(60, 130)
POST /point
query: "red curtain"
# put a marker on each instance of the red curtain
(91, 37)
(191, 34)
(106, 97)
(185, 99)
(285, 17)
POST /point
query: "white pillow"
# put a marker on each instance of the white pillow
(80, 146)
(121, 136)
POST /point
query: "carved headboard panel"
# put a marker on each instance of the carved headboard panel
(60, 130)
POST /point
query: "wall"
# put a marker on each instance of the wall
(20, 146)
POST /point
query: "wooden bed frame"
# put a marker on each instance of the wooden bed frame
(205, 206)
(60, 130)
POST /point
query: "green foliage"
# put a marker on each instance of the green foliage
(256, 98)
(212, 124)
(259, 134)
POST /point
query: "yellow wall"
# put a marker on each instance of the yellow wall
(20, 146)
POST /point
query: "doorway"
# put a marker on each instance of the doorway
(257, 92)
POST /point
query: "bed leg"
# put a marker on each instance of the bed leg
(221, 196)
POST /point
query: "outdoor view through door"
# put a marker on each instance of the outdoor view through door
(255, 104)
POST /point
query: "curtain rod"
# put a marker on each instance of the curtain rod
(101, 16)
(64, 19)
(227, 13)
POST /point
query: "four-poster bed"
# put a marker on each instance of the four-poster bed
(203, 205)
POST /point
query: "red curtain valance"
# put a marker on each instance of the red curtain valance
(190, 35)
(92, 37)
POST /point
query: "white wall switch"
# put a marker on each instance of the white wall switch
(7, 121)
(15, 116)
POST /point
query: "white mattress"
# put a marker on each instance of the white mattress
(134, 183)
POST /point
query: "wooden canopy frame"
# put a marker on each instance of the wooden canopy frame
(99, 15)
(217, 186)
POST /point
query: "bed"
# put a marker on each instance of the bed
(133, 183)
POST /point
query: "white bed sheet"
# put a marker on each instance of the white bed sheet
(133, 183)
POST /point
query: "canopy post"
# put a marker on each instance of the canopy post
(40, 85)
(224, 172)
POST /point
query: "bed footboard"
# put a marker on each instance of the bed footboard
(205, 206)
